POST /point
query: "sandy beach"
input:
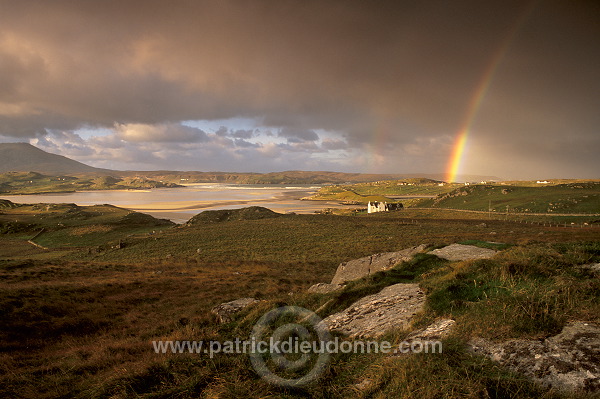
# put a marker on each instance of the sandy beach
(180, 204)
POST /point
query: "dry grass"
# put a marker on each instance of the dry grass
(79, 231)
(80, 324)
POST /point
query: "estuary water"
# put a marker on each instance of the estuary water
(180, 204)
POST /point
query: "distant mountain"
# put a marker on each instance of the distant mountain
(294, 177)
(23, 157)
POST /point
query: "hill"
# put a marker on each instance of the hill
(225, 215)
(347, 197)
(581, 197)
(379, 190)
(23, 157)
(36, 183)
(293, 177)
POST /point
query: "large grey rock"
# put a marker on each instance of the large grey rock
(358, 268)
(323, 288)
(454, 252)
(569, 361)
(391, 308)
(225, 310)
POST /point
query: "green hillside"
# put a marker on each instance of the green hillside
(70, 225)
(404, 187)
(226, 215)
(37, 183)
(347, 196)
(583, 197)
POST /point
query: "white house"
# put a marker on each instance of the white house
(375, 206)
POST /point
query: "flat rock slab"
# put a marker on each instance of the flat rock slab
(454, 252)
(358, 268)
(323, 288)
(437, 330)
(569, 361)
(594, 267)
(392, 308)
(226, 310)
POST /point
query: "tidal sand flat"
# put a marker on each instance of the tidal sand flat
(180, 204)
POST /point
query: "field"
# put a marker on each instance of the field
(82, 308)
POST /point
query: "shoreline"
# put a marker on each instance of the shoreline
(180, 205)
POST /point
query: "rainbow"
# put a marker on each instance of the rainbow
(458, 152)
(375, 159)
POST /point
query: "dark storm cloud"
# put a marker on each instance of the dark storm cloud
(387, 70)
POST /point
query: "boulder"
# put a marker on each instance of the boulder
(225, 310)
(392, 308)
(358, 268)
(566, 362)
(323, 288)
(456, 252)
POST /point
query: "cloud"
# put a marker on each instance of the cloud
(246, 144)
(242, 134)
(398, 72)
(334, 144)
(161, 133)
(296, 135)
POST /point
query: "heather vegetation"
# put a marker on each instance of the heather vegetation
(85, 291)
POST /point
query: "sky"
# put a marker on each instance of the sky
(503, 88)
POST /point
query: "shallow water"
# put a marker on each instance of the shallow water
(180, 204)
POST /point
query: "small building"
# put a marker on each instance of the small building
(373, 207)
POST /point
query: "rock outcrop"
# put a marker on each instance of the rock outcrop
(225, 310)
(373, 315)
(593, 267)
(455, 252)
(568, 361)
(323, 288)
(358, 268)
(437, 330)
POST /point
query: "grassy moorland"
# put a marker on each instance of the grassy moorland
(81, 309)
(377, 191)
(36, 183)
(573, 197)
